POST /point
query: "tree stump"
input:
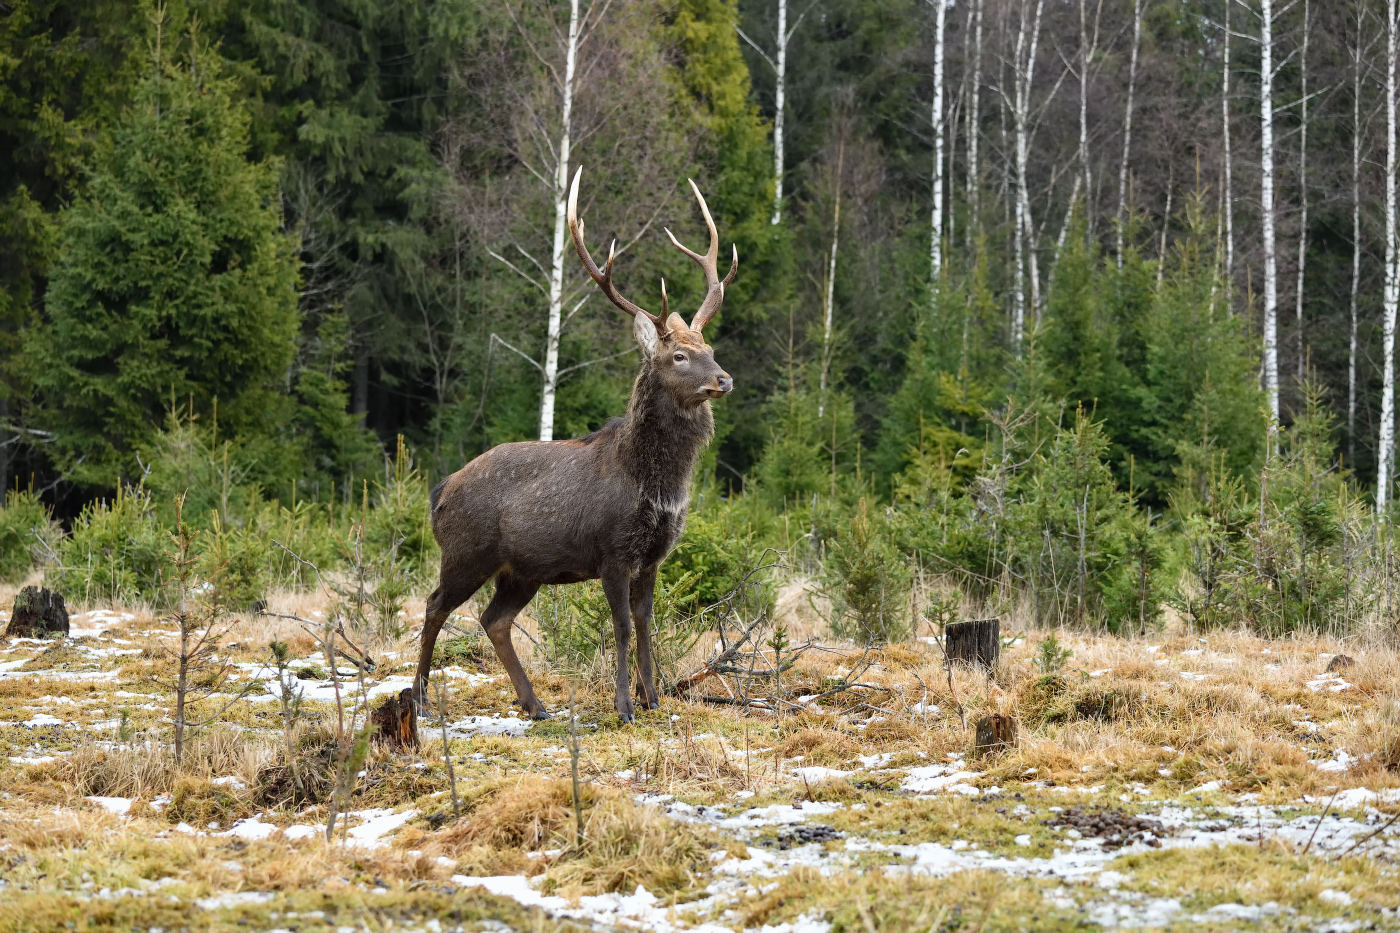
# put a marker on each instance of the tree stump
(974, 642)
(396, 722)
(994, 733)
(38, 613)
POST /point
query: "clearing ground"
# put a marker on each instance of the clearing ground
(1172, 781)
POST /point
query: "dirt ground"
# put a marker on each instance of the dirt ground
(1178, 780)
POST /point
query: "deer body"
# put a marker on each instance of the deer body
(609, 506)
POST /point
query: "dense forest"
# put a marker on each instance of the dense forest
(1089, 298)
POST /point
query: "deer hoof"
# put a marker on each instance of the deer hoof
(624, 712)
(540, 714)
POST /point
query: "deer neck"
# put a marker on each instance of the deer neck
(661, 440)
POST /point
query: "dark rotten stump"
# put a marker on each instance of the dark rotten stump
(994, 733)
(975, 642)
(396, 722)
(38, 613)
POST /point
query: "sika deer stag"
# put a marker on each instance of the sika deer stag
(609, 506)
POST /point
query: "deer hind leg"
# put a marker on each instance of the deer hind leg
(512, 595)
(617, 588)
(453, 590)
(643, 599)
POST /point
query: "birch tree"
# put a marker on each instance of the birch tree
(974, 128)
(1128, 133)
(936, 231)
(1023, 77)
(558, 178)
(1266, 206)
(544, 139)
(828, 309)
(1227, 169)
(1087, 48)
(1302, 190)
(1355, 230)
(1386, 442)
(779, 65)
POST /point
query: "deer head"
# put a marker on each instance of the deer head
(675, 351)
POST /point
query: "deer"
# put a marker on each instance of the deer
(609, 506)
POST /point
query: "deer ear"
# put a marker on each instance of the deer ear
(645, 332)
(675, 324)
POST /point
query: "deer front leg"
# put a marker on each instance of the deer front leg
(643, 600)
(617, 588)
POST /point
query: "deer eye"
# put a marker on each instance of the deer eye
(680, 357)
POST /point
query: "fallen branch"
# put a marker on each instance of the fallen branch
(363, 662)
(1373, 835)
(747, 702)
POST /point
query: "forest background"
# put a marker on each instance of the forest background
(1089, 302)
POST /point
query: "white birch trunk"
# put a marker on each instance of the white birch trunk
(936, 231)
(1355, 234)
(1303, 196)
(1128, 132)
(1025, 230)
(1266, 206)
(974, 130)
(1086, 54)
(780, 100)
(1386, 453)
(828, 311)
(556, 268)
(1229, 196)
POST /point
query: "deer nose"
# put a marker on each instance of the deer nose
(726, 383)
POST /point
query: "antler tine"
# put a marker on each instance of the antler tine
(602, 276)
(709, 264)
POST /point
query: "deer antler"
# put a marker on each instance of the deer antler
(714, 293)
(604, 276)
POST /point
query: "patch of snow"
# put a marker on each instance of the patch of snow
(933, 778)
(253, 828)
(303, 832)
(1209, 787)
(1340, 762)
(43, 720)
(870, 762)
(1333, 896)
(1329, 682)
(814, 773)
(235, 899)
(640, 909)
(377, 824)
(488, 725)
(117, 805)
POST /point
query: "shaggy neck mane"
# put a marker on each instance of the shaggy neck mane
(659, 440)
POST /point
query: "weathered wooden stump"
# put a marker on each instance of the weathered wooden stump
(1340, 663)
(994, 733)
(974, 642)
(396, 722)
(38, 613)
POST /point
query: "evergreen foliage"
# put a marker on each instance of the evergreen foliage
(173, 279)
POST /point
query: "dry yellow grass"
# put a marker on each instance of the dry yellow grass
(1121, 713)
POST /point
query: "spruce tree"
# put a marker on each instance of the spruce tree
(174, 284)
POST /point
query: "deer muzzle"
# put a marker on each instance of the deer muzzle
(724, 384)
